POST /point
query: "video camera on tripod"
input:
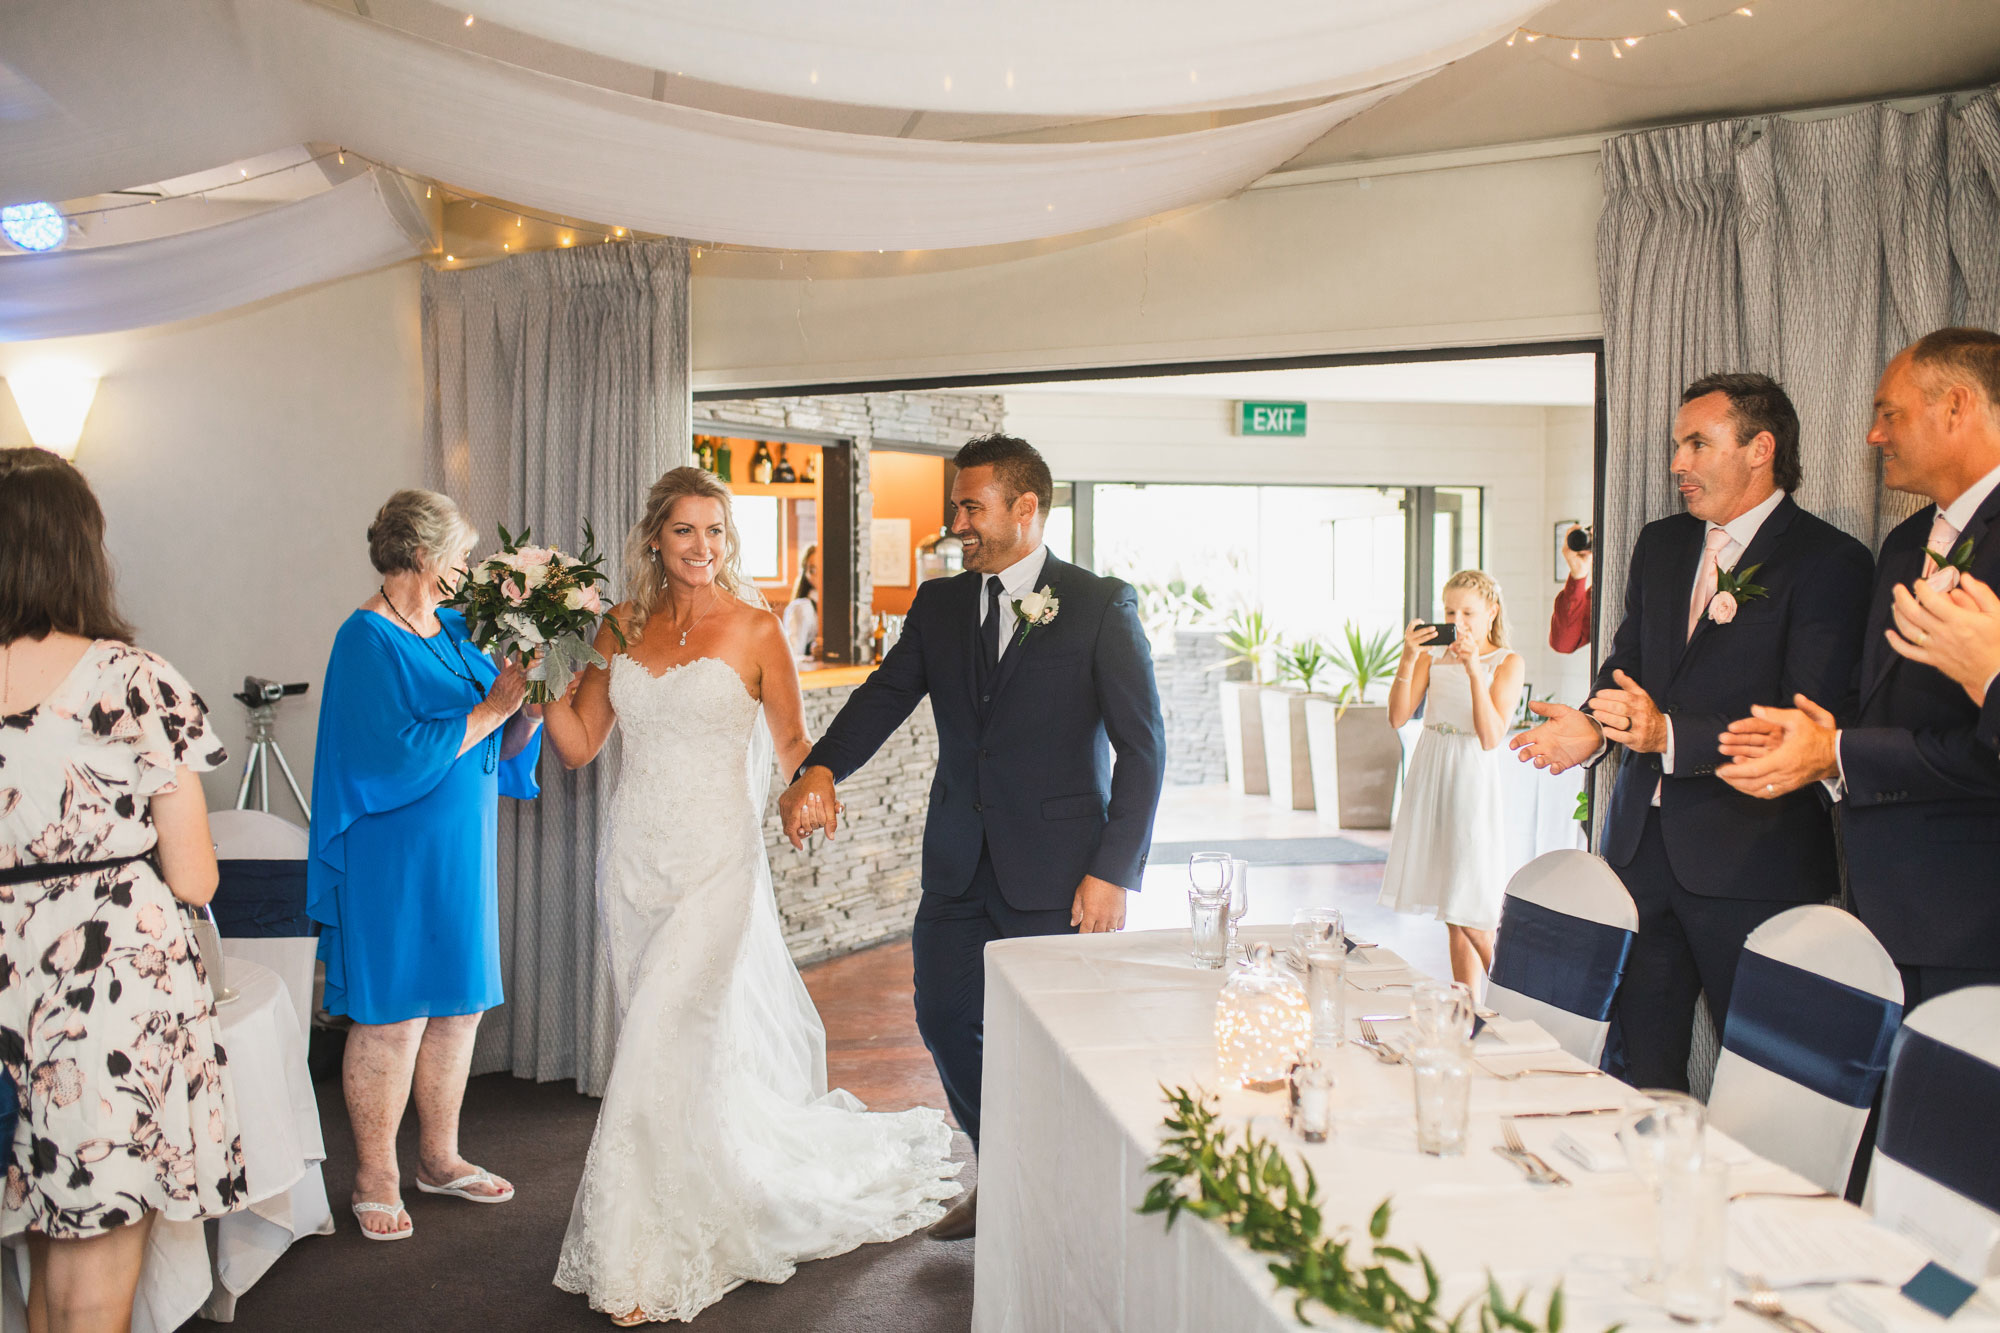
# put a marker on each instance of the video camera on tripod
(261, 697)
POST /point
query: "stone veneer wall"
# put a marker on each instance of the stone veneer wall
(1192, 706)
(861, 888)
(937, 419)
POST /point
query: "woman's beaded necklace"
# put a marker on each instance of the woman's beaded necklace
(491, 759)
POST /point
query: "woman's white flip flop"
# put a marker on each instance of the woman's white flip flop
(407, 1230)
(457, 1188)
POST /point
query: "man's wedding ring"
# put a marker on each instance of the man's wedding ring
(1922, 636)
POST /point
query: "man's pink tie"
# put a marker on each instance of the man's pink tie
(1943, 537)
(1707, 580)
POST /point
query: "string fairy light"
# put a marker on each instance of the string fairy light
(1615, 41)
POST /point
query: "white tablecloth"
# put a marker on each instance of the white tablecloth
(195, 1267)
(1081, 1031)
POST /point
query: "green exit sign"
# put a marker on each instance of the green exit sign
(1270, 418)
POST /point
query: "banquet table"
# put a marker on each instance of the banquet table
(197, 1267)
(1082, 1031)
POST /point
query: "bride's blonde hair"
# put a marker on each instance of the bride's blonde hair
(1487, 588)
(646, 573)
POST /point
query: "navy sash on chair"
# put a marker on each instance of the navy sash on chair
(1939, 1115)
(1819, 1033)
(259, 899)
(1566, 961)
(10, 1115)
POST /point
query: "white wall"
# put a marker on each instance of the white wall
(1420, 254)
(239, 459)
(1525, 457)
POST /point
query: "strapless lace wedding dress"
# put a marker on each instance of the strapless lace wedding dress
(720, 1157)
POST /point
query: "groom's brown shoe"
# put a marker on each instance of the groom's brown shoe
(959, 1223)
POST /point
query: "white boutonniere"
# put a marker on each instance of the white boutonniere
(1037, 608)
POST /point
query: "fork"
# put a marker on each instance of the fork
(1384, 1052)
(1519, 1151)
(1763, 1301)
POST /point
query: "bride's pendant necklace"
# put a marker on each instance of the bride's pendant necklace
(696, 621)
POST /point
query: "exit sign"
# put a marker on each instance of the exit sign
(1270, 418)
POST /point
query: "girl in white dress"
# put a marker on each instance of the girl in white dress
(1447, 852)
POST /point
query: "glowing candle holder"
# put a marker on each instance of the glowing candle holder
(1262, 1024)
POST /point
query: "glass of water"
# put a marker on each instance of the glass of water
(1693, 1231)
(1441, 1014)
(1442, 1077)
(1326, 991)
(1209, 875)
(1314, 927)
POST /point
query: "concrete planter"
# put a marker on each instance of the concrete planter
(1287, 751)
(1243, 737)
(1354, 757)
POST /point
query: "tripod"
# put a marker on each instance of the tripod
(264, 747)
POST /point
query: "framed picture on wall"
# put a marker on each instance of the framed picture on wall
(760, 525)
(889, 552)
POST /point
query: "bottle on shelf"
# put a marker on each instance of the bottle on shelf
(783, 472)
(876, 640)
(704, 453)
(812, 467)
(760, 464)
(723, 467)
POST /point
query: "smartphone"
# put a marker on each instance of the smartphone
(1446, 634)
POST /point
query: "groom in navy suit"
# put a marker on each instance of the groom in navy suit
(1744, 599)
(1051, 753)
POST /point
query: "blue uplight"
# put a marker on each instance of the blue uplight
(35, 227)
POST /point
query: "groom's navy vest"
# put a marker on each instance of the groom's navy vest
(1025, 757)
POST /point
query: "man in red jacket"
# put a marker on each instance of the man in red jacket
(1569, 624)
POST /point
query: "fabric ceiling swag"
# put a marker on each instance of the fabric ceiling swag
(282, 72)
(359, 225)
(1037, 57)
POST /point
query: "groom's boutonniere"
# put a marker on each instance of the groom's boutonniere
(1944, 577)
(1037, 608)
(1732, 589)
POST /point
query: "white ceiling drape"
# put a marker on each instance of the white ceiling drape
(259, 75)
(359, 225)
(1042, 57)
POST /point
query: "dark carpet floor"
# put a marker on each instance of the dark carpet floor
(485, 1268)
(1275, 851)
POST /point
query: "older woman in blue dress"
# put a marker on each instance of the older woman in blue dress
(419, 735)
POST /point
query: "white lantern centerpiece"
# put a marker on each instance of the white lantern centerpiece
(1262, 1024)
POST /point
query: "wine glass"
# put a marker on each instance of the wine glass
(1239, 903)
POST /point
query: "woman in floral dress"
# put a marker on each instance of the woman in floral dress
(107, 1029)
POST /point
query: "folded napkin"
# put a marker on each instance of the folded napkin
(1513, 1036)
(1375, 959)
(1594, 1145)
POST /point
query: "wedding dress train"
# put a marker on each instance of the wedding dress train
(719, 1157)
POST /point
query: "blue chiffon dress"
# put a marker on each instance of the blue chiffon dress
(405, 830)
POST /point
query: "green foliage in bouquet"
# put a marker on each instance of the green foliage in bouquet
(1250, 1190)
(537, 606)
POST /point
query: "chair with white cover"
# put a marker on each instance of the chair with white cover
(1815, 1004)
(1566, 929)
(246, 840)
(1935, 1176)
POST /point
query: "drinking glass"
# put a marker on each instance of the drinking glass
(1209, 876)
(1669, 1134)
(1691, 1240)
(1442, 1077)
(1239, 903)
(1326, 990)
(1313, 927)
(1441, 1014)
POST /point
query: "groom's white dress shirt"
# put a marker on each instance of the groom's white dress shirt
(1017, 580)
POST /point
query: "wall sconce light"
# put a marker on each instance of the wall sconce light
(54, 400)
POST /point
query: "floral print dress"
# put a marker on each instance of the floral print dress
(106, 1023)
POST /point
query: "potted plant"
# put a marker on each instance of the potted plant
(1247, 637)
(1286, 745)
(1354, 752)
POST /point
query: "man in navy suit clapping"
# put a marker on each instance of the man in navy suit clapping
(1038, 675)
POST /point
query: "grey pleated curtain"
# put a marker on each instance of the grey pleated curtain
(557, 393)
(1810, 250)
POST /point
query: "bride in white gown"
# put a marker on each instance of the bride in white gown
(720, 1157)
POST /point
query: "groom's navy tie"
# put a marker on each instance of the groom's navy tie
(989, 633)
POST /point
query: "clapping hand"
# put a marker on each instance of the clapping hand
(809, 806)
(1776, 751)
(1567, 739)
(1957, 632)
(1629, 716)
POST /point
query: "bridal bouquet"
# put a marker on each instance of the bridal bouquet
(537, 606)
